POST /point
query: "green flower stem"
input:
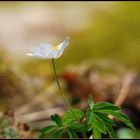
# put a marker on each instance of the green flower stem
(69, 106)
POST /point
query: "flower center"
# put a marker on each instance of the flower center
(54, 47)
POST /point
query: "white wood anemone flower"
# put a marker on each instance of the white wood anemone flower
(47, 51)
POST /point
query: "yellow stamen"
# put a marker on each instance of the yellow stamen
(55, 47)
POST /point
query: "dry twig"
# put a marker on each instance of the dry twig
(126, 84)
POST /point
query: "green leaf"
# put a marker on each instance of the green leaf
(110, 131)
(90, 102)
(120, 116)
(105, 105)
(56, 118)
(10, 133)
(96, 134)
(5, 122)
(77, 127)
(89, 117)
(130, 124)
(47, 130)
(68, 116)
(108, 123)
(71, 134)
(105, 119)
(56, 134)
(99, 124)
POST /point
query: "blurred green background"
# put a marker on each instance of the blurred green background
(98, 30)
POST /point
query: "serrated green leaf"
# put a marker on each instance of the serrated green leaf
(108, 123)
(99, 124)
(56, 118)
(90, 102)
(89, 117)
(71, 134)
(68, 116)
(105, 105)
(56, 134)
(130, 124)
(110, 131)
(96, 134)
(77, 127)
(120, 116)
(105, 119)
(46, 130)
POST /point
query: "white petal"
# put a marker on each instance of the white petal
(59, 54)
(40, 56)
(46, 48)
(64, 44)
(50, 55)
(61, 46)
(37, 51)
(35, 55)
(47, 45)
(30, 54)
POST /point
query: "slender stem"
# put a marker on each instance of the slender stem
(69, 106)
